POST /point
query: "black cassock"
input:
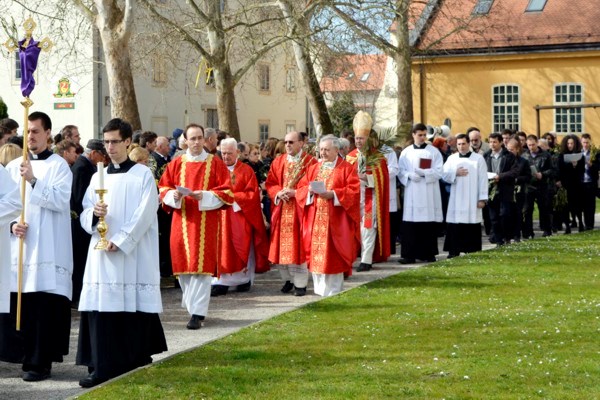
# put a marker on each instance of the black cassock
(82, 170)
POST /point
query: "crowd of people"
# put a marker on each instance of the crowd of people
(105, 223)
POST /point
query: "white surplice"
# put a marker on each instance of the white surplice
(10, 206)
(128, 279)
(467, 190)
(422, 199)
(48, 256)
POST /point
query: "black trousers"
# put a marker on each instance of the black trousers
(500, 220)
(589, 204)
(540, 196)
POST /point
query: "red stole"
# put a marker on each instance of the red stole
(331, 234)
(286, 247)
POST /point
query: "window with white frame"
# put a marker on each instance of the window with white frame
(568, 120)
(212, 118)
(263, 131)
(17, 75)
(506, 107)
(290, 127)
(264, 77)
(290, 80)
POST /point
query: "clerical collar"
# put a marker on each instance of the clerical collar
(295, 158)
(421, 146)
(328, 164)
(231, 167)
(466, 155)
(120, 168)
(42, 156)
(200, 157)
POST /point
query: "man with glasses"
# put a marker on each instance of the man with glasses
(194, 187)
(477, 144)
(120, 301)
(286, 218)
(47, 258)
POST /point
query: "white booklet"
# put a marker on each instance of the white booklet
(574, 157)
(492, 175)
(183, 190)
(318, 187)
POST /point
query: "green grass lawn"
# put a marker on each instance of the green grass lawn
(519, 322)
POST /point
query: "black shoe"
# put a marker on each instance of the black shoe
(300, 291)
(218, 290)
(406, 261)
(364, 267)
(36, 376)
(195, 322)
(567, 230)
(516, 240)
(581, 228)
(90, 381)
(287, 287)
(430, 260)
(547, 233)
(244, 288)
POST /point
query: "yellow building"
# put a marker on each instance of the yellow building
(489, 63)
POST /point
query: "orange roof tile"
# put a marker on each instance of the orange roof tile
(507, 25)
(349, 73)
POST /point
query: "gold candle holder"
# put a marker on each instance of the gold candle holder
(102, 227)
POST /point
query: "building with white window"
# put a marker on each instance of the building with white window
(270, 97)
(514, 56)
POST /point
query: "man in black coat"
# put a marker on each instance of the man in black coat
(503, 165)
(543, 174)
(83, 169)
(161, 159)
(590, 181)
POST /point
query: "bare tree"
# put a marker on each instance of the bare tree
(230, 40)
(114, 23)
(297, 17)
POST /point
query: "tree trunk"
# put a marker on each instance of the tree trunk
(226, 106)
(123, 101)
(403, 65)
(316, 100)
(224, 82)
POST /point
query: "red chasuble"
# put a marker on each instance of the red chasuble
(286, 246)
(331, 234)
(382, 202)
(195, 235)
(247, 223)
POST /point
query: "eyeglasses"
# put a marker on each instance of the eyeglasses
(290, 141)
(115, 141)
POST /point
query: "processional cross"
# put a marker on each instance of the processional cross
(29, 52)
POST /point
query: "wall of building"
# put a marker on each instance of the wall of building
(461, 88)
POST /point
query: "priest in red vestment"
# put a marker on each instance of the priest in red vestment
(330, 193)
(286, 214)
(374, 194)
(243, 235)
(194, 187)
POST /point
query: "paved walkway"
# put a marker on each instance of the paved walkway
(227, 314)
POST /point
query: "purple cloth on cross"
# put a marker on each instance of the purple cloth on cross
(29, 59)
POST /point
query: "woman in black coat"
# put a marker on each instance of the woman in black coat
(571, 178)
